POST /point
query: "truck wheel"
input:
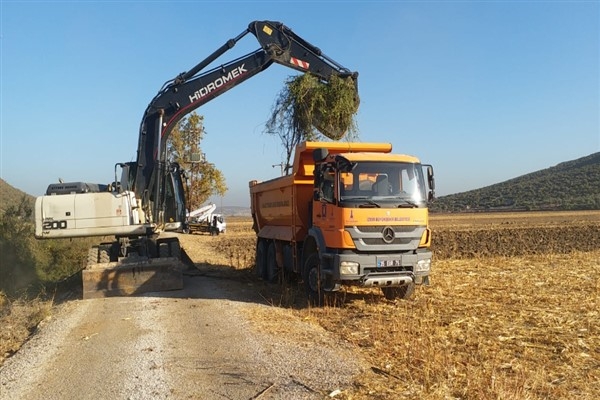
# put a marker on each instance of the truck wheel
(401, 292)
(261, 259)
(311, 274)
(272, 272)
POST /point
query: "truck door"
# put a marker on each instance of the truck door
(324, 206)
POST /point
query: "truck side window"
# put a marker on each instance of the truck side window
(324, 183)
(327, 186)
(346, 183)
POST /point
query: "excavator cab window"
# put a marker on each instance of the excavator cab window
(173, 194)
(127, 177)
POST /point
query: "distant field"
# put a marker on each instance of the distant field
(528, 219)
(514, 234)
(512, 311)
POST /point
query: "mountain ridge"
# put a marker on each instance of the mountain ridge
(569, 185)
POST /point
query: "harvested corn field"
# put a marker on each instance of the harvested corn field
(512, 311)
(514, 234)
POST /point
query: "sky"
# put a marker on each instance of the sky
(485, 91)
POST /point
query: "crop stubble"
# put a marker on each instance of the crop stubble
(512, 312)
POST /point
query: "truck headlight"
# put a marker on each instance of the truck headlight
(349, 268)
(423, 265)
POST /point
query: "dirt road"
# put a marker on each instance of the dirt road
(216, 339)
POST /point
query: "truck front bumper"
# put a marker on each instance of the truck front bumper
(377, 270)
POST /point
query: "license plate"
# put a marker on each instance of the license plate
(389, 262)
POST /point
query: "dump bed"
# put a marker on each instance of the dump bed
(281, 207)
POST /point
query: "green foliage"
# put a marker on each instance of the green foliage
(571, 185)
(308, 109)
(60, 258)
(17, 256)
(10, 195)
(27, 264)
(204, 179)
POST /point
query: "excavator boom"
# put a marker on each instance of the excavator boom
(191, 89)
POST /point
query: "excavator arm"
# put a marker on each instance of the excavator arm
(191, 89)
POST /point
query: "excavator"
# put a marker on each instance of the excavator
(145, 208)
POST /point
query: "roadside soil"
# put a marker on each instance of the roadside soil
(218, 338)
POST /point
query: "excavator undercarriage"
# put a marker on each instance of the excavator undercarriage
(149, 265)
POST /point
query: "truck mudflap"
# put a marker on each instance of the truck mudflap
(132, 278)
(385, 280)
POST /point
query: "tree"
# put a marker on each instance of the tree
(183, 147)
(308, 109)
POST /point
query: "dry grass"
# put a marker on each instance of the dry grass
(233, 249)
(489, 327)
(18, 320)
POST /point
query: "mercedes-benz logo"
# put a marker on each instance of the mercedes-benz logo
(388, 234)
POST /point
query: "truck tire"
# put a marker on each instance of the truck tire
(261, 259)
(272, 271)
(311, 275)
(401, 292)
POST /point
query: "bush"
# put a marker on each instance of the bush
(17, 257)
(27, 264)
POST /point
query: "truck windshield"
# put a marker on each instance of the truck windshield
(377, 184)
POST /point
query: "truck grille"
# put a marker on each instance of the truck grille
(380, 241)
(386, 238)
(378, 229)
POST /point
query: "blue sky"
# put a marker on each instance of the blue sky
(484, 90)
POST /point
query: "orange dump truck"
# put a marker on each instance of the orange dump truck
(348, 214)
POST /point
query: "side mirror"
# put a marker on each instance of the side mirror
(430, 178)
(342, 164)
(430, 182)
(320, 154)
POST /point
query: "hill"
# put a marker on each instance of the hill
(10, 195)
(571, 185)
(234, 211)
